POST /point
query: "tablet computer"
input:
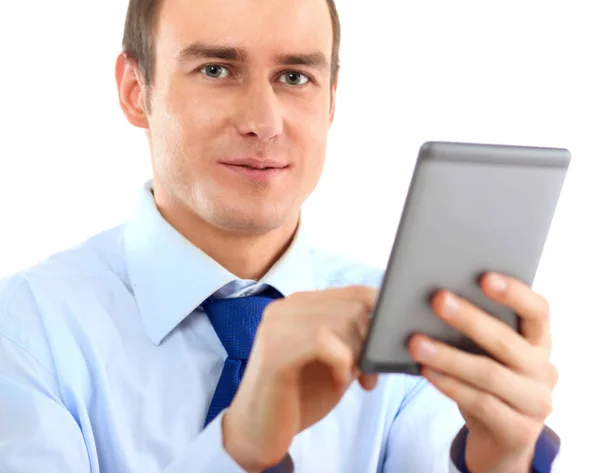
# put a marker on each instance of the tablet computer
(470, 209)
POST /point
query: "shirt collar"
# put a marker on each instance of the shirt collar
(170, 277)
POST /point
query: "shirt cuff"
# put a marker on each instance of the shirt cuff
(546, 450)
(286, 466)
(207, 454)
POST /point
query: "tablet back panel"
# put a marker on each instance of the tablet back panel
(470, 209)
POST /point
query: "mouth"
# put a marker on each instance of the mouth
(257, 171)
(254, 163)
(266, 168)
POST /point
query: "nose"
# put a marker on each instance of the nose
(260, 113)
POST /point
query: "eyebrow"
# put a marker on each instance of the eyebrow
(199, 50)
(316, 60)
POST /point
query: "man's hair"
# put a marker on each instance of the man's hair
(141, 21)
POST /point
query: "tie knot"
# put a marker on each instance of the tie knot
(235, 321)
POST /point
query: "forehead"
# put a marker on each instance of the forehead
(263, 28)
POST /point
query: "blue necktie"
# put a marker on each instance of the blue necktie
(235, 322)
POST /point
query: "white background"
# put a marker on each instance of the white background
(514, 72)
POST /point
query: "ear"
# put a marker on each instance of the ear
(333, 96)
(131, 91)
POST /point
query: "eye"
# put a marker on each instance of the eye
(214, 71)
(294, 78)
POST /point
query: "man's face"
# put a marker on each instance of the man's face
(240, 82)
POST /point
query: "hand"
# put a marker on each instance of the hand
(504, 404)
(303, 359)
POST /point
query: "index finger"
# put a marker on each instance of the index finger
(362, 293)
(533, 309)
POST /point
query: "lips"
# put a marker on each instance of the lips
(254, 163)
(257, 170)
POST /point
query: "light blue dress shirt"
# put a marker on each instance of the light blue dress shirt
(108, 366)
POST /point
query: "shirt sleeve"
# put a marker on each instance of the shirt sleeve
(546, 451)
(422, 432)
(206, 454)
(38, 433)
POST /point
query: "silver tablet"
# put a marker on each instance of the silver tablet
(470, 209)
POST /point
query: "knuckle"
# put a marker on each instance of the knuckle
(483, 404)
(322, 336)
(367, 307)
(546, 404)
(322, 341)
(488, 376)
(544, 307)
(347, 357)
(356, 307)
(553, 375)
(503, 345)
(357, 315)
(325, 338)
(544, 370)
(363, 322)
(367, 296)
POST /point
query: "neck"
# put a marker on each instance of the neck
(247, 256)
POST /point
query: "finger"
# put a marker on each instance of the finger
(347, 319)
(365, 294)
(351, 331)
(347, 310)
(523, 394)
(506, 425)
(289, 348)
(533, 309)
(332, 351)
(344, 317)
(490, 333)
(368, 381)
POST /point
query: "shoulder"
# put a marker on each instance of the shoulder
(334, 270)
(74, 273)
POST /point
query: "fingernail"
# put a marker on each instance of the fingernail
(497, 283)
(450, 304)
(364, 330)
(426, 350)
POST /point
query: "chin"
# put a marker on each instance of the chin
(238, 211)
(250, 220)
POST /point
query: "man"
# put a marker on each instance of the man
(204, 335)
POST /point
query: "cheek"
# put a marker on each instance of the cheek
(316, 129)
(311, 115)
(312, 155)
(192, 119)
(194, 114)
